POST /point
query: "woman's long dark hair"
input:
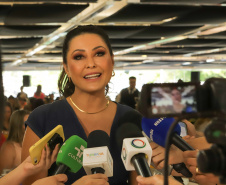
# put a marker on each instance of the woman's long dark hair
(16, 129)
(66, 86)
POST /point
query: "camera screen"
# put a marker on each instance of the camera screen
(171, 99)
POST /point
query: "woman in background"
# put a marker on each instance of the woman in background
(6, 120)
(10, 154)
(39, 94)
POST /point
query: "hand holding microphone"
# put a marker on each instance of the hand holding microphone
(97, 160)
(59, 179)
(96, 157)
(157, 130)
(26, 169)
(70, 156)
(135, 149)
(202, 178)
(155, 180)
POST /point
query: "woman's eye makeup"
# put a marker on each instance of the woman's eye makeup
(100, 53)
(78, 57)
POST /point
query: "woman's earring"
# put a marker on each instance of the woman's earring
(69, 79)
(113, 73)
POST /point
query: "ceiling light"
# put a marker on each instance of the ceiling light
(169, 19)
(35, 50)
(210, 60)
(213, 30)
(148, 61)
(186, 63)
(16, 62)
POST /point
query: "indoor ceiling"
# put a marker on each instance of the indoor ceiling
(145, 34)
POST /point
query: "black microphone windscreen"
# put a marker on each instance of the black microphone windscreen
(98, 138)
(132, 116)
(127, 130)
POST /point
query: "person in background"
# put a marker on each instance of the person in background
(129, 96)
(39, 94)
(37, 103)
(14, 103)
(10, 154)
(51, 98)
(22, 93)
(30, 104)
(2, 137)
(6, 119)
(88, 64)
(22, 99)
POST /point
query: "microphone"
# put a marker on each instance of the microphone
(135, 149)
(156, 129)
(70, 156)
(96, 157)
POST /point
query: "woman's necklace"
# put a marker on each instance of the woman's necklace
(88, 112)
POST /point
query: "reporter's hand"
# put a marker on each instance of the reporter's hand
(47, 159)
(95, 179)
(59, 179)
(190, 159)
(158, 155)
(156, 180)
(190, 127)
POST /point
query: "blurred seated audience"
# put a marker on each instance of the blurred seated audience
(37, 103)
(51, 98)
(14, 103)
(10, 153)
(22, 101)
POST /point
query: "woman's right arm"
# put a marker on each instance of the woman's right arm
(29, 139)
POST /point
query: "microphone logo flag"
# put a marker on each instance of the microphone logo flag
(138, 143)
(80, 151)
(151, 134)
(133, 146)
(124, 154)
(98, 157)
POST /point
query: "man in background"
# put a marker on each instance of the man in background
(129, 96)
(22, 94)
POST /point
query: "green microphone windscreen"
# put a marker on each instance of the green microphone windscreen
(71, 153)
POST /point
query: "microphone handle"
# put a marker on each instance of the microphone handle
(141, 166)
(61, 169)
(180, 143)
(181, 168)
(97, 170)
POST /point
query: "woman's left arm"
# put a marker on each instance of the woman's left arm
(7, 156)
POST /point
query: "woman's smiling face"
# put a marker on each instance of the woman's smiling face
(89, 62)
